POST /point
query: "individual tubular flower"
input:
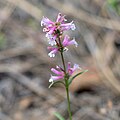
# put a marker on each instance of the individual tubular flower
(53, 51)
(46, 22)
(66, 42)
(60, 72)
(71, 70)
(54, 29)
(68, 26)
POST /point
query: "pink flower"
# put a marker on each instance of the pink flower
(46, 22)
(66, 42)
(53, 29)
(52, 41)
(61, 18)
(53, 51)
(60, 74)
(71, 70)
(68, 26)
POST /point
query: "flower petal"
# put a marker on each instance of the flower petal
(68, 26)
(56, 71)
(75, 67)
(71, 70)
(46, 22)
(52, 78)
(73, 42)
(61, 18)
(53, 52)
(66, 40)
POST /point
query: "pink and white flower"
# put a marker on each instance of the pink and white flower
(68, 26)
(60, 74)
(53, 29)
(66, 42)
(53, 51)
(70, 69)
(46, 22)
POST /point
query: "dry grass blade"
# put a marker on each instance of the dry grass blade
(6, 13)
(28, 83)
(98, 56)
(84, 16)
(14, 52)
(27, 7)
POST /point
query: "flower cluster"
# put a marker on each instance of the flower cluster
(58, 43)
(54, 31)
(60, 72)
(66, 42)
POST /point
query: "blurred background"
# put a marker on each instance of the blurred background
(25, 65)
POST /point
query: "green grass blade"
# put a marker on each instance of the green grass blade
(59, 116)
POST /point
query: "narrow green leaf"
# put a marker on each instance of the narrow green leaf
(56, 82)
(59, 116)
(71, 79)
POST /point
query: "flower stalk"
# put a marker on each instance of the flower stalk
(67, 87)
(66, 84)
(58, 44)
(68, 101)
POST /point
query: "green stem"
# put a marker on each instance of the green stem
(61, 52)
(66, 82)
(63, 61)
(68, 102)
